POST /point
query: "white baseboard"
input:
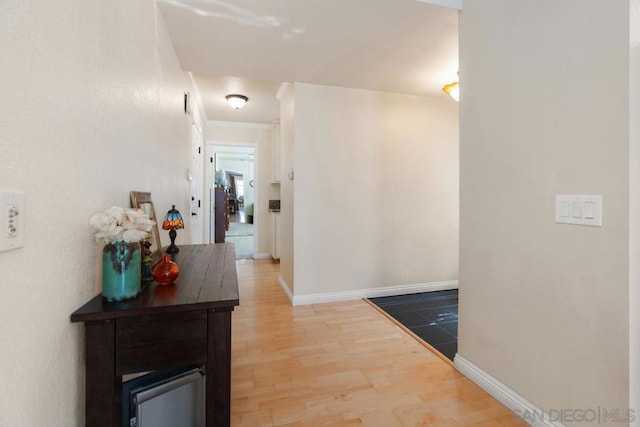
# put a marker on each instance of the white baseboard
(509, 398)
(263, 255)
(373, 292)
(285, 287)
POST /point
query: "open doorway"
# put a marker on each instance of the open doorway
(233, 168)
(240, 195)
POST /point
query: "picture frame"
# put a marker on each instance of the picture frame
(142, 200)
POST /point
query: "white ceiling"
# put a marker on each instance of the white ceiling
(263, 107)
(399, 46)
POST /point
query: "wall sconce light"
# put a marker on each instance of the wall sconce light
(236, 101)
(453, 90)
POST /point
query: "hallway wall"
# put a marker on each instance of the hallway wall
(226, 133)
(544, 110)
(376, 190)
(92, 109)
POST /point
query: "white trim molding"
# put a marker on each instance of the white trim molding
(454, 4)
(285, 287)
(281, 90)
(520, 406)
(262, 255)
(373, 292)
(243, 125)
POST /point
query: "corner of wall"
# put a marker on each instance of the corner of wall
(634, 209)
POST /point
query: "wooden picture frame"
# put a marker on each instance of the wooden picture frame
(142, 200)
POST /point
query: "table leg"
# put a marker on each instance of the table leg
(103, 386)
(218, 370)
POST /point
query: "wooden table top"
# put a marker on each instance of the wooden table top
(208, 280)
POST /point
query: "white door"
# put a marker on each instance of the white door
(195, 187)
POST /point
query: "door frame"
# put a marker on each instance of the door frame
(209, 177)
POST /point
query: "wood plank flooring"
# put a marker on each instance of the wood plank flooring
(340, 364)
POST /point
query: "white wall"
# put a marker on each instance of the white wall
(225, 133)
(376, 190)
(545, 111)
(287, 150)
(92, 108)
(634, 213)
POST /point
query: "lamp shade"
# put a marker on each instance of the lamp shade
(236, 101)
(453, 90)
(173, 220)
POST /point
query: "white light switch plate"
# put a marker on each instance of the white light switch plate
(579, 209)
(11, 220)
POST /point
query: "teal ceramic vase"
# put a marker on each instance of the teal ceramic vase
(121, 271)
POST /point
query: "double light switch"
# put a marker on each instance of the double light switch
(579, 209)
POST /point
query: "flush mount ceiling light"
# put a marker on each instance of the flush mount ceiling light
(453, 90)
(236, 101)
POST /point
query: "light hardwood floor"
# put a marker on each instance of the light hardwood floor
(339, 364)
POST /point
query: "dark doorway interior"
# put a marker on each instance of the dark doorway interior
(433, 316)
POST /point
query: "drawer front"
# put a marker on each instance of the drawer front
(147, 343)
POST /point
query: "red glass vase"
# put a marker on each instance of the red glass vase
(166, 271)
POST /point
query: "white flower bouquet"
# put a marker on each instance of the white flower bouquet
(119, 225)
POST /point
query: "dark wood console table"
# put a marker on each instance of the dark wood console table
(182, 324)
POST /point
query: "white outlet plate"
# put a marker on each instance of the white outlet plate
(579, 209)
(11, 220)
